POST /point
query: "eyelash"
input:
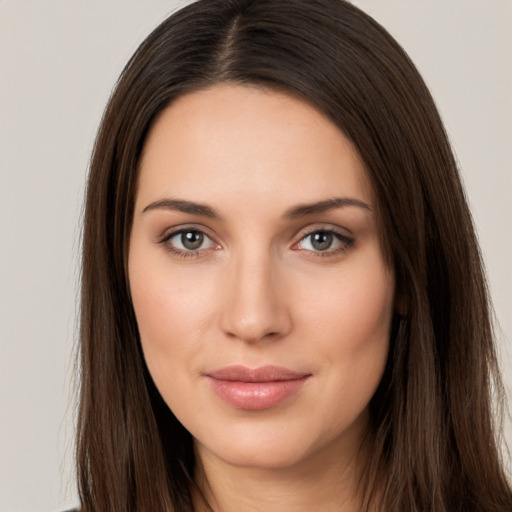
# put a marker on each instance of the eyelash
(345, 243)
(181, 253)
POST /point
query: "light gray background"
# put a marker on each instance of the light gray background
(58, 62)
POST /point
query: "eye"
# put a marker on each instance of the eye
(187, 242)
(324, 241)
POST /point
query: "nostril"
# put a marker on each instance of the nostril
(256, 333)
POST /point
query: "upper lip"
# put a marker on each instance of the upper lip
(238, 373)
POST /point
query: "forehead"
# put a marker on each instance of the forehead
(242, 141)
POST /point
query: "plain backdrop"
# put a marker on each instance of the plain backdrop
(58, 62)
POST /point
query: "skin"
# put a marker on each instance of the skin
(259, 292)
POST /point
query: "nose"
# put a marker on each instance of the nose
(254, 306)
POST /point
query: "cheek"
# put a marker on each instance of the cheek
(171, 308)
(355, 308)
(348, 322)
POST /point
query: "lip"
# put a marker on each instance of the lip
(256, 389)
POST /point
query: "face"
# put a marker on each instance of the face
(258, 280)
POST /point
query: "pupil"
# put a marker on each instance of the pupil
(321, 240)
(192, 240)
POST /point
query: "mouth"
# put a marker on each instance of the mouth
(256, 389)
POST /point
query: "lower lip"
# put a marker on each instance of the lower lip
(256, 395)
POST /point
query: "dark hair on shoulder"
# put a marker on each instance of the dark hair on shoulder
(433, 437)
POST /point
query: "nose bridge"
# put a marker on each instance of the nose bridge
(254, 309)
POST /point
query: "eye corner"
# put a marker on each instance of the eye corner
(198, 245)
(331, 242)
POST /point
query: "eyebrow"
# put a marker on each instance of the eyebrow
(302, 210)
(183, 206)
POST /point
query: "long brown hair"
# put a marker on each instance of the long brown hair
(433, 439)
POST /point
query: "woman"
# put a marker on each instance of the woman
(283, 303)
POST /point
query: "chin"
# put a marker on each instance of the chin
(265, 455)
(278, 446)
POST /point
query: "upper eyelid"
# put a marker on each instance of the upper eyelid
(175, 230)
(170, 232)
(344, 239)
(165, 241)
(308, 230)
(344, 235)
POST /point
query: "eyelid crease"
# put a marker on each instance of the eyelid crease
(314, 227)
(174, 232)
(345, 242)
(185, 253)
